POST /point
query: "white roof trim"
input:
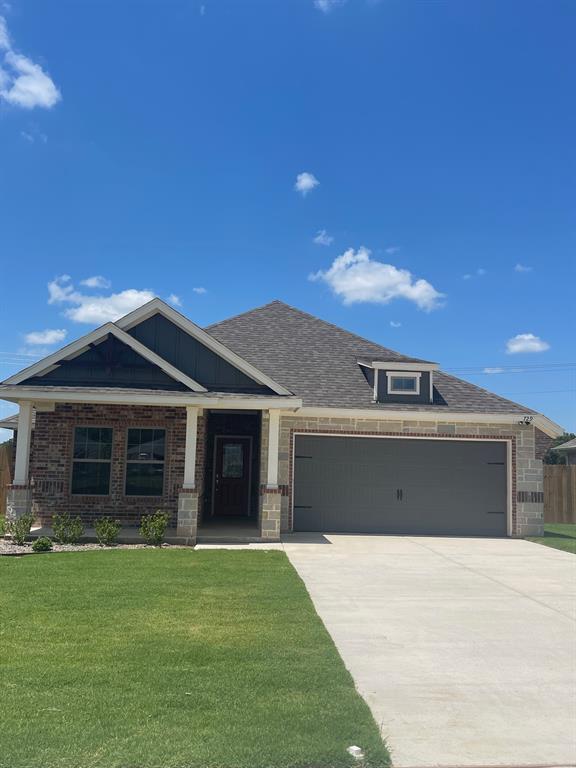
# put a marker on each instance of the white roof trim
(80, 345)
(398, 366)
(229, 401)
(158, 306)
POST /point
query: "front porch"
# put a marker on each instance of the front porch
(214, 469)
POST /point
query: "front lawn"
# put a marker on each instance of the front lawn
(165, 658)
(559, 536)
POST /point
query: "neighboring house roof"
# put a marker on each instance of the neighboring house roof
(568, 446)
(318, 362)
(10, 422)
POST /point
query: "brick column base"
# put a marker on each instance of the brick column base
(18, 501)
(270, 506)
(187, 525)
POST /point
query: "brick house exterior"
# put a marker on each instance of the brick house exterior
(246, 410)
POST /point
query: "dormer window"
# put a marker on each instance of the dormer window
(403, 383)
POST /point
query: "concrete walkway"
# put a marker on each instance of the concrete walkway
(465, 649)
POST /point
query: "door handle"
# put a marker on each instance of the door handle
(399, 494)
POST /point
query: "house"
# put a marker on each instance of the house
(272, 419)
(567, 451)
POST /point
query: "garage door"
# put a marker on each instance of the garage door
(379, 485)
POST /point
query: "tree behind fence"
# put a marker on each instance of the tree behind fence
(560, 493)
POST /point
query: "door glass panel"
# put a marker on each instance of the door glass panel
(232, 460)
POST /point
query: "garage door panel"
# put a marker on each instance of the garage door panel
(360, 484)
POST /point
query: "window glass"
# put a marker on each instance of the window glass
(403, 383)
(92, 455)
(145, 449)
(232, 460)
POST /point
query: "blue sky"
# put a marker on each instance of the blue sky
(160, 146)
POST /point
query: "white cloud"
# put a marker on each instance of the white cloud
(327, 5)
(199, 290)
(522, 268)
(305, 182)
(355, 277)
(526, 342)
(97, 281)
(175, 300)
(22, 82)
(493, 370)
(95, 309)
(34, 134)
(480, 272)
(49, 336)
(323, 238)
(395, 324)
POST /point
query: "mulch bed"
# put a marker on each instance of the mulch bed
(7, 548)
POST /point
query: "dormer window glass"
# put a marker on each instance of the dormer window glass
(401, 383)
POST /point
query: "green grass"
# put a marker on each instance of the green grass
(165, 658)
(558, 535)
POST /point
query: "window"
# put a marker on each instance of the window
(145, 462)
(233, 461)
(403, 383)
(91, 461)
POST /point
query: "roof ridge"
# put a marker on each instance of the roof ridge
(326, 323)
(246, 312)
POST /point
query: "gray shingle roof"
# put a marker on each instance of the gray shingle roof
(570, 445)
(318, 362)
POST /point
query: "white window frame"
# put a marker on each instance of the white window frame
(403, 375)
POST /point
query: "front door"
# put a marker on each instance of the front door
(232, 463)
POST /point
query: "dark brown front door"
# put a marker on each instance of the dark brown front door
(232, 475)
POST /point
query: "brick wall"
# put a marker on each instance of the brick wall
(51, 461)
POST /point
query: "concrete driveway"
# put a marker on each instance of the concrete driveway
(465, 649)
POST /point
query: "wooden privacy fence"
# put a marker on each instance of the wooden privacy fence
(560, 493)
(5, 479)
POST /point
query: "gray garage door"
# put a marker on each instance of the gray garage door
(379, 485)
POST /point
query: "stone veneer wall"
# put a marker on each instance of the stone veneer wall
(527, 472)
(51, 461)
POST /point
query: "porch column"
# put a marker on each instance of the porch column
(273, 442)
(187, 524)
(271, 497)
(19, 496)
(190, 448)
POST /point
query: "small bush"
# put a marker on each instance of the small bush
(107, 531)
(43, 544)
(2, 527)
(153, 527)
(20, 528)
(67, 530)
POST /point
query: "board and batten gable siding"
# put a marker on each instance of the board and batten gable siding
(192, 357)
(526, 480)
(112, 363)
(422, 397)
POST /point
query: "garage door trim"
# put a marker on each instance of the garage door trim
(379, 436)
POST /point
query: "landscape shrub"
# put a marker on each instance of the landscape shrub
(107, 531)
(153, 527)
(20, 528)
(67, 530)
(42, 544)
(2, 527)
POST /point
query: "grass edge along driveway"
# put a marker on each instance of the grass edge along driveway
(559, 536)
(171, 658)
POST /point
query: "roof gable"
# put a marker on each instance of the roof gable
(108, 363)
(157, 306)
(80, 346)
(191, 356)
